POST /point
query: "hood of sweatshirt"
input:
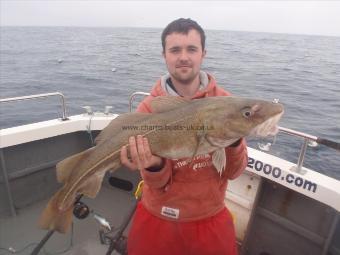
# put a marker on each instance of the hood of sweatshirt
(207, 86)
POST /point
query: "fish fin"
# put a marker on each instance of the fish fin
(219, 160)
(167, 103)
(66, 166)
(52, 218)
(92, 186)
(115, 126)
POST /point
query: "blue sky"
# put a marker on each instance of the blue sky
(297, 17)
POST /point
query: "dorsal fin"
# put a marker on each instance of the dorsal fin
(167, 103)
(116, 124)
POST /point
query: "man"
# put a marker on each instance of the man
(182, 209)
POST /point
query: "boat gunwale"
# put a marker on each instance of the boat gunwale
(327, 187)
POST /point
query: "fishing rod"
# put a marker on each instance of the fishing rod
(119, 242)
(329, 143)
(42, 242)
(49, 234)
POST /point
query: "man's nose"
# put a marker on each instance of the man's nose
(184, 55)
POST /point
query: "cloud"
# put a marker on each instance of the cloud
(303, 17)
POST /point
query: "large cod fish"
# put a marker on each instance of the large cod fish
(177, 128)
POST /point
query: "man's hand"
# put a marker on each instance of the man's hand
(141, 157)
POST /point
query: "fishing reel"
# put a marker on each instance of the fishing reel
(107, 234)
(81, 210)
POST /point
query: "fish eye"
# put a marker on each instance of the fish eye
(246, 113)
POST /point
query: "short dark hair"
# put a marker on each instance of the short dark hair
(183, 26)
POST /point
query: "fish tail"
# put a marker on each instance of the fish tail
(53, 218)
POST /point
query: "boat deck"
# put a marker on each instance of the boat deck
(22, 233)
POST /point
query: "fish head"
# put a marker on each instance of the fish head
(234, 117)
(266, 118)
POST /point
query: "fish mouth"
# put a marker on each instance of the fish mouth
(268, 127)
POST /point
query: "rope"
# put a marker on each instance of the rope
(89, 131)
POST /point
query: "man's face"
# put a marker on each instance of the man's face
(183, 55)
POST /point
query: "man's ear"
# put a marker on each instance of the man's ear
(204, 53)
(163, 54)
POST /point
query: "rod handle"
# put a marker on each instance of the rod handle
(329, 143)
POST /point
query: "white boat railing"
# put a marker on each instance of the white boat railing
(2, 158)
(38, 96)
(307, 139)
(133, 96)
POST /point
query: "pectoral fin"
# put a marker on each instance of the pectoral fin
(219, 160)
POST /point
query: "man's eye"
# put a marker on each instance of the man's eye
(192, 49)
(174, 50)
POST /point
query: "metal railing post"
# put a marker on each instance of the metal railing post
(7, 184)
(133, 95)
(298, 167)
